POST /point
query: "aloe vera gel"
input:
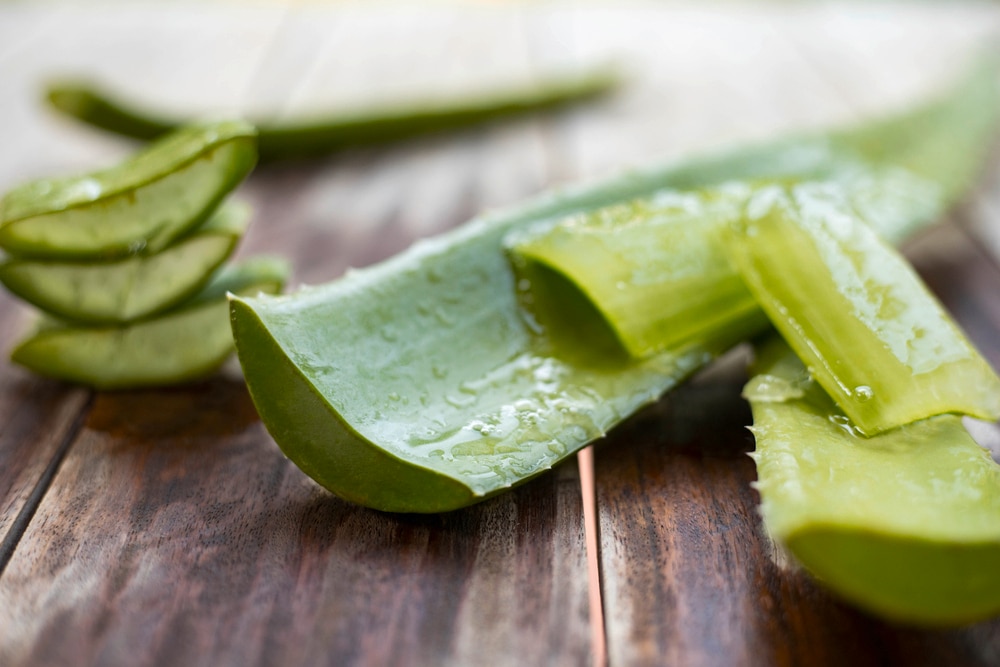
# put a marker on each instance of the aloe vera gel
(856, 313)
(905, 523)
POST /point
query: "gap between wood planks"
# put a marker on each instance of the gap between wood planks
(13, 537)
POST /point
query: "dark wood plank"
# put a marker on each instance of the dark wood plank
(37, 417)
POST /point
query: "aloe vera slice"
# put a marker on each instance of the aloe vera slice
(856, 313)
(905, 524)
(137, 286)
(321, 135)
(420, 385)
(140, 205)
(183, 344)
(655, 268)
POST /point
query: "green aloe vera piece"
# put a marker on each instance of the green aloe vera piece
(321, 135)
(140, 205)
(421, 385)
(133, 287)
(856, 313)
(905, 524)
(655, 268)
(183, 344)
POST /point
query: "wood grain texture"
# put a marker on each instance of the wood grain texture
(36, 418)
(178, 534)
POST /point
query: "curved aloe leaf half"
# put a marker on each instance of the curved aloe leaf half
(905, 524)
(142, 204)
(183, 344)
(856, 312)
(136, 286)
(321, 135)
(421, 384)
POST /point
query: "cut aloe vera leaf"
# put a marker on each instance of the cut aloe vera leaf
(137, 286)
(420, 385)
(184, 344)
(905, 524)
(322, 135)
(856, 312)
(655, 268)
(140, 205)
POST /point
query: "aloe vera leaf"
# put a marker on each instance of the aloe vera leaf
(142, 204)
(856, 312)
(321, 135)
(136, 286)
(420, 385)
(905, 524)
(183, 344)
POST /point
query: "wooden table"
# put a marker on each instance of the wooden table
(164, 527)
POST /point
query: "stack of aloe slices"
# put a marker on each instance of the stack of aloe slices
(479, 359)
(128, 266)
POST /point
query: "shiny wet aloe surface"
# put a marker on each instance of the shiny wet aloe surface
(856, 312)
(422, 385)
(132, 287)
(905, 524)
(142, 204)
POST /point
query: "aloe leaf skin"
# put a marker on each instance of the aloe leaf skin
(319, 135)
(856, 312)
(184, 344)
(142, 204)
(905, 524)
(364, 401)
(428, 386)
(134, 287)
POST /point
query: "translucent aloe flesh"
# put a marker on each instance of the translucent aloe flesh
(133, 287)
(421, 384)
(321, 135)
(856, 313)
(655, 268)
(142, 204)
(905, 524)
(183, 344)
